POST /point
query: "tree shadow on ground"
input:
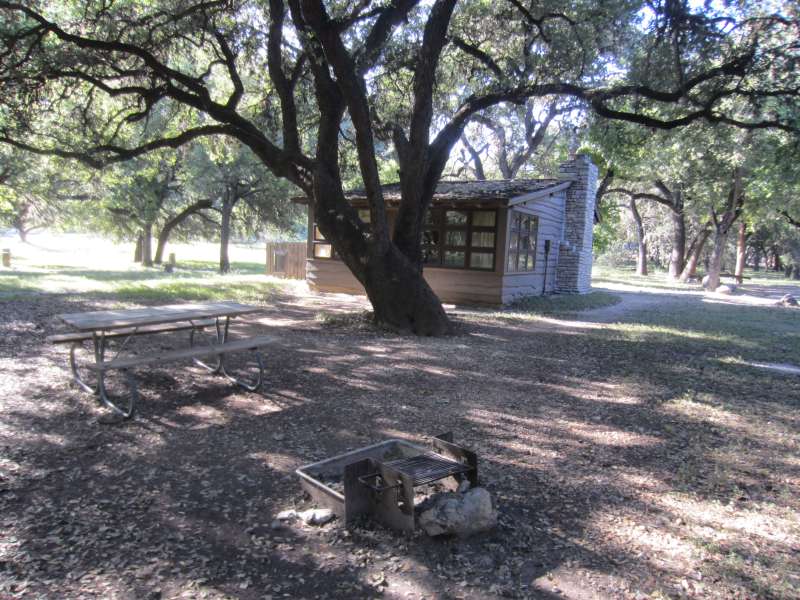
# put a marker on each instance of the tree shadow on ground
(578, 433)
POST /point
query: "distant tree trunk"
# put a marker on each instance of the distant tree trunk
(741, 241)
(225, 235)
(137, 251)
(757, 257)
(776, 259)
(695, 251)
(147, 245)
(641, 259)
(676, 257)
(172, 223)
(722, 225)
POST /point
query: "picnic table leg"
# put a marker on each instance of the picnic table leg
(122, 408)
(221, 335)
(252, 385)
(73, 363)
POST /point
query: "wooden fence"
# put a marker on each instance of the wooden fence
(287, 259)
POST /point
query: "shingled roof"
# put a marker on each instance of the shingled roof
(495, 192)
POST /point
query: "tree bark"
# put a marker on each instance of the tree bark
(722, 225)
(641, 259)
(137, 251)
(225, 236)
(695, 251)
(147, 245)
(757, 257)
(741, 240)
(678, 252)
(172, 223)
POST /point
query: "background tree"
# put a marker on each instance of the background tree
(37, 192)
(230, 178)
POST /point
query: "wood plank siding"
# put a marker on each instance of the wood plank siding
(550, 211)
(451, 285)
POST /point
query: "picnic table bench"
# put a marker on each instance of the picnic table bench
(100, 327)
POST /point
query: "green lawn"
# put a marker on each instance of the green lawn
(192, 280)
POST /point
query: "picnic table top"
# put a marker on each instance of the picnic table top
(154, 315)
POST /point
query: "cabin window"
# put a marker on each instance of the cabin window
(322, 248)
(522, 242)
(460, 239)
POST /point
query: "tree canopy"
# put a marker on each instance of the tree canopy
(86, 80)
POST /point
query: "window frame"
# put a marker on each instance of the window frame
(532, 234)
(438, 224)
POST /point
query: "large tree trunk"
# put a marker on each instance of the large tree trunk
(722, 225)
(695, 251)
(147, 245)
(676, 258)
(172, 223)
(715, 262)
(641, 259)
(225, 236)
(741, 239)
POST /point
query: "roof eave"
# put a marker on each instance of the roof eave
(548, 191)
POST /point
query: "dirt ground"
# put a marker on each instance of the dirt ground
(621, 466)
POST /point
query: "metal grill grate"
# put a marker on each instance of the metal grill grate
(427, 468)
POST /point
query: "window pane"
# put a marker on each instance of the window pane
(482, 239)
(512, 261)
(430, 217)
(454, 259)
(363, 214)
(318, 234)
(529, 262)
(524, 242)
(430, 237)
(526, 224)
(513, 241)
(481, 260)
(431, 255)
(455, 217)
(483, 218)
(456, 238)
(322, 250)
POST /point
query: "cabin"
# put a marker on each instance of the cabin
(488, 242)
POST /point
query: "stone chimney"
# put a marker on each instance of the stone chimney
(574, 271)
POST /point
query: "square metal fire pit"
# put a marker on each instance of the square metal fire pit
(379, 480)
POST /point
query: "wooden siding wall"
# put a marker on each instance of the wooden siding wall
(287, 259)
(451, 285)
(550, 211)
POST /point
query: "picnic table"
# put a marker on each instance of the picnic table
(206, 349)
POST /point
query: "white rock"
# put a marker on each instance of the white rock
(286, 515)
(316, 516)
(726, 289)
(463, 515)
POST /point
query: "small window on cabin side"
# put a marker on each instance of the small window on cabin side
(522, 242)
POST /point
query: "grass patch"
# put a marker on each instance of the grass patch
(191, 281)
(564, 304)
(181, 291)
